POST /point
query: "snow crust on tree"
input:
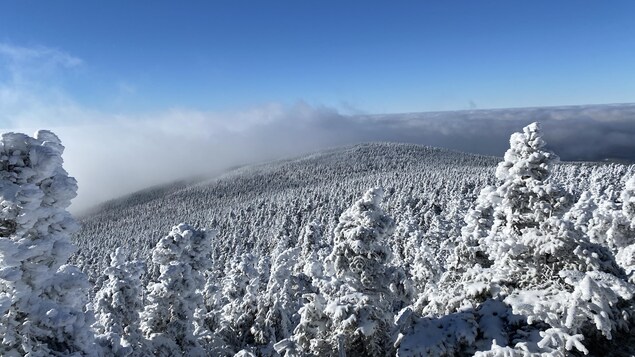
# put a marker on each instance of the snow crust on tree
(628, 201)
(469, 265)
(625, 226)
(275, 319)
(533, 249)
(413, 254)
(239, 302)
(359, 253)
(352, 313)
(524, 203)
(172, 317)
(521, 249)
(42, 299)
(117, 307)
(310, 261)
(607, 218)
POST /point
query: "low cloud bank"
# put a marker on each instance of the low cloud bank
(113, 154)
(117, 154)
(587, 133)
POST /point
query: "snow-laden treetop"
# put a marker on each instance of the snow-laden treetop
(35, 191)
(41, 298)
(525, 157)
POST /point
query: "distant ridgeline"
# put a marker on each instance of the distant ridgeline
(370, 250)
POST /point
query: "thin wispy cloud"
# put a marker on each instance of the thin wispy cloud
(30, 88)
(31, 65)
(21, 55)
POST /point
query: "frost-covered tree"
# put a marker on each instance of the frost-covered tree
(309, 262)
(581, 213)
(240, 294)
(522, 204)
(628, 201)
(413, 253)
(466, 282)
(172, 318)
(117, 307)
(42, 300)
(415, 257)
(276, 307)
(624, 224)
(353, 313)
(518, 249)
(607, 225)
(546, 266)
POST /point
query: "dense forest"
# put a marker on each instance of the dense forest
(376, 249)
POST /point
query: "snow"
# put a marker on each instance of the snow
(453, 257)
(43, 298)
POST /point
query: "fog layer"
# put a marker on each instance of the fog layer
(116, 155)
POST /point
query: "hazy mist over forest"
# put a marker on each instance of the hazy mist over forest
(120, 154)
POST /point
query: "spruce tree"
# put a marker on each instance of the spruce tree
(625, 221)
(353, 313)
(518, 249)
(117, 307)
(42, 300)
(172, 317)
(239, 299)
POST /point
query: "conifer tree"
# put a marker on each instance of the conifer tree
(310, 263)
(541, 261)
(42, 300)
(117, 307)
(276, 307)
(240, 293)
(628, 202)
(625, 221)
(518, 249)
(354, 314)
(170, 320)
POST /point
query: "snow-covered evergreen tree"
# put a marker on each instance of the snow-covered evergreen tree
(523, 203)
(42, 300)
(466, 282)
(240, 294)
(117, 307)
(415, 256)
(624, 224)
(581, 213)
(172, 317)
(353, 313)
(310, 262)
(518, 248)
(542, 261)
(607, 225)
(628, 201)
(276, 307)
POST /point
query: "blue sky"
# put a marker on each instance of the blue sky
(355, 56)
(146, 92)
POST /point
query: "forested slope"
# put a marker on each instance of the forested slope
(252, 207)
(371, 250)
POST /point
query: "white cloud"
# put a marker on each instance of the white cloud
(112, 154)
(120, 154)
(19, 56)
(29, 89)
